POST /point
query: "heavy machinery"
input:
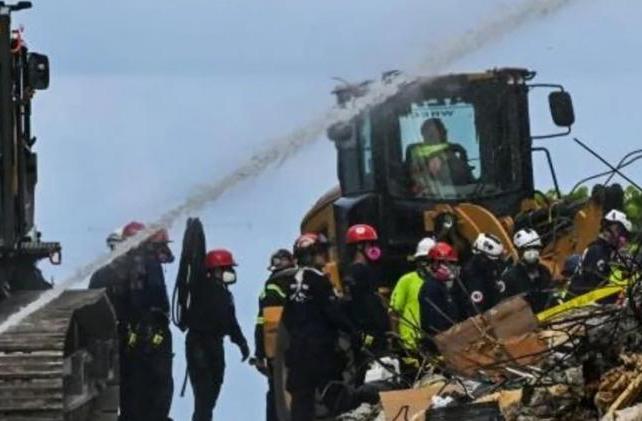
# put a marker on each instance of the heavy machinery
(485, 182)
(60, 362)
(449, 156)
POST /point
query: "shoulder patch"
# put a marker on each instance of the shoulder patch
(477, 297)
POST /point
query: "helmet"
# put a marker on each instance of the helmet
(443, 252)
(281, 259)
(310, 242)
(526, 238)
(424, 247)
(219, 258)
(488, 245)
(132, 229)
(361, 233)
(114, 238)
(618, 217)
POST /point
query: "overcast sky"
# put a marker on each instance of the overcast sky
(150, 99)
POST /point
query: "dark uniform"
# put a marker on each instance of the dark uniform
(113, 278)
(211, 316)
(136, 287)
(367, 312)
(436, 305)
(532, 280)
(313, 317)
(273, 295)
(480, 277)
(595, 267)
(366, 308)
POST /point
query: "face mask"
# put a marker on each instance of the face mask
(622, 242)
(443, 273)
(373, 253)
(531, 256)
(229, 277)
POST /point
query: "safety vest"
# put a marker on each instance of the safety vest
(419, 165)
(405, 301)
(426, 151)
(271, 300)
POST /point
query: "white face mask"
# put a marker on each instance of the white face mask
(531, 256)
(229, 277)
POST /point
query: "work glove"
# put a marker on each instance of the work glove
(260, 364)
(245, 352)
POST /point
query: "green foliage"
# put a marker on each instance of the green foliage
(581, 193)
(633, 205)
(632, 202)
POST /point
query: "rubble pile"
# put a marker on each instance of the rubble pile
(584, 365)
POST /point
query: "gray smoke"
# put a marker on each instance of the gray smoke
(279, 149)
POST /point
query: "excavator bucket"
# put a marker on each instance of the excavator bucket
(504, 335)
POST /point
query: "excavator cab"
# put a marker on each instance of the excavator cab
(440, 141)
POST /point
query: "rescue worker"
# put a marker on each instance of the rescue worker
(313, 318)
(365, 307)
(136, 285)
(404, 301)
(436, 304)
(436, 162)
(480, 285)
(595, 267)
(210, 317)
(528, 276)
(282, 268)
(113, 278)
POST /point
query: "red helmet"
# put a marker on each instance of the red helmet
(309, 242)
(132, 229)
(361, 233)
(443, 252)
(219, 258)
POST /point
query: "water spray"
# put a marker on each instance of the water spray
(282, 148)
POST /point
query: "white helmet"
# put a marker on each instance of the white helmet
(424, 247)
(488, 245)
(619, 217)
(526, 238)
(115, 237)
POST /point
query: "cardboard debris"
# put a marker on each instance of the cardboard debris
(408, 403)
(503, 335)
(506, 399)
(404, 404)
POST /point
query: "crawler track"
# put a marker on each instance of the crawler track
(60, 363)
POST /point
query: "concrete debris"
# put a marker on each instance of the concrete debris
(633, 413)
(584, 365)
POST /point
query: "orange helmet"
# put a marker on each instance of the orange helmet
(361, 233)
(219, 258)
(443, 252)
